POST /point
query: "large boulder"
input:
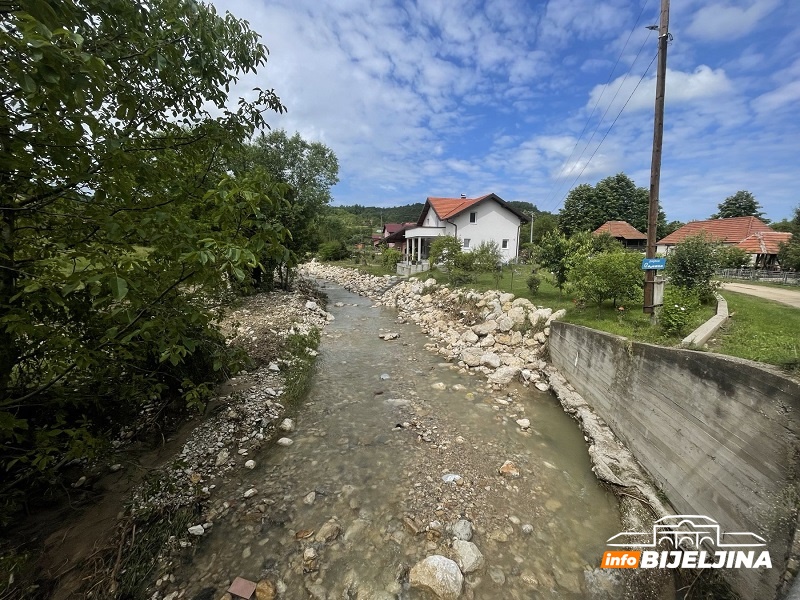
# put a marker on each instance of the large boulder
(438, 575)
(504, 375)
(490, 359)
(468, 557)
(485, 328)
(471, 356)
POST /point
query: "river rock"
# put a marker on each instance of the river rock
(438, 575)
(509, 469)
(524, 423)
(286, 425)
(469, 337)
(490, 359)
(266, 590)
(250, 493)
(222, 458)
(250, 464)
(471, 356)
(542, 386)
(504, 375)
(468, 557)
(485, 328)
(328, 532)
(462, 529)
(284, 441)
(497, 575)
(310, 498)
(197, 530)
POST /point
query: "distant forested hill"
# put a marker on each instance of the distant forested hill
(392, 214)
(411, 212)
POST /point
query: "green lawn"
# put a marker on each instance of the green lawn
(760, 330)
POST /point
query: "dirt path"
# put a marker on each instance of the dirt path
(790, 297)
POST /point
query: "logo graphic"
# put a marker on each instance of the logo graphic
(687, 534)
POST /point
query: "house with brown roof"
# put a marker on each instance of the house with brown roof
(763, 247)
(728, 231)
(627, 234)
(472, 220)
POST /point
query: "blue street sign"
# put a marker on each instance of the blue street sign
(653, 263)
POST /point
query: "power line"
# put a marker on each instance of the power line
(610, 128)
(602, 118)
(553, 190)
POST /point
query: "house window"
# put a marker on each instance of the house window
(466, 242)
(504, 244)
(473, 217)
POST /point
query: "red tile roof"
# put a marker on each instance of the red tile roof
(390, 228)
(621, 229)
(448, 207)
(732, 230)
(764, 242)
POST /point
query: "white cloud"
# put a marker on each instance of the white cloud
(785, 95)
(729, 20)
(703, 85)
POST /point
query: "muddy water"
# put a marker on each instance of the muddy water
(385, 423)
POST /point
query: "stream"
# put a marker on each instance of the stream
(390, 450)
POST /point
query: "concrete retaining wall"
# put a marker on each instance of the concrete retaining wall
(718, 434)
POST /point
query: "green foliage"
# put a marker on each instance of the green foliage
(557, 253)
(741, 204)
(615, 276)
(445, 250)
(118, 218)
(614, 198)
(533, 282)
(789, 253)
(731, 257)
(393, 214)
(336, 250)
(390, 258)
(691, 265)
(309, 170)
(486, 257)
(678, 310)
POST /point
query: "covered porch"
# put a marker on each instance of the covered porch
(415, 243)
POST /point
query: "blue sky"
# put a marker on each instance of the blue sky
(444, 97)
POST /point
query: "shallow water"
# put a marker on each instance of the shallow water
(382, 484)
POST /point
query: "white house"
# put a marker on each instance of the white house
(471, 220)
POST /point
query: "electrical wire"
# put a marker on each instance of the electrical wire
(610, 128)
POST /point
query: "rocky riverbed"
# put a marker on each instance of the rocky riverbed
(406, 474)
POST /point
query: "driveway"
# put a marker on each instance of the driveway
(790, 297)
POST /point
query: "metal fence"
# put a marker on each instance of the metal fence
(786, 277)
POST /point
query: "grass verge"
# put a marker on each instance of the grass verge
(761, 330)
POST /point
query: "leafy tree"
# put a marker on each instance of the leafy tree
(789, 253)
(557, 253)
(610, 275)
(670, 227)
(310, 169)
(741, 204)
(114, 213)
(614, 198)
(542, 224)
(334, 250)
(445, 251)
(486, 257)
(731, 257)
(692, 264)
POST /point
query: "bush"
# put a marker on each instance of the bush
(731, 257)
(390, 258)
(613, 276)
(533, 282)
(486, 257)
(445, 250)
(335, 250)
(692, 264)
(679, 307)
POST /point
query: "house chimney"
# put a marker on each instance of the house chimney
(463, 196)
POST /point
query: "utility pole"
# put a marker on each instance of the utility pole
(655, 165)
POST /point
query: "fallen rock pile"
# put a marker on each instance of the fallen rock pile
(493, 332)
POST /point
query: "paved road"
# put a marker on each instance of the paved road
(790, 297)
